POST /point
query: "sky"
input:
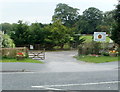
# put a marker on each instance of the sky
(32, 11)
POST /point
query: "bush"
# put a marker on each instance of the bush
(6, 41)
(105, 53)
(96, 47)
(89, 48)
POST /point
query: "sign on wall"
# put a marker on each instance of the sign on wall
(99, 36)
(31, 47)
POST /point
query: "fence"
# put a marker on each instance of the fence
(11, 52)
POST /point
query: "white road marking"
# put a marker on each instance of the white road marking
(52, 89)
(48, 86)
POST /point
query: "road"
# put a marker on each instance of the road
(60, 72)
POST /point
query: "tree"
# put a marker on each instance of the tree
(36, 33)
(20, 34)
(6, 28)
(82, 26)
(116, 29)
(6, 41)
(58, 34)
(108, 18)
(49, 41)
(93, 18)
(107, 22)
(76, 40)
(68, 15)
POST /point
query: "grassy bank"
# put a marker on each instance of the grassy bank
(26, 60)
(94, 59)
(88, 38)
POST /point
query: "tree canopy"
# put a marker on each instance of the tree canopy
(93, 18)
(20, 33)
(68, 15)
(116, 28)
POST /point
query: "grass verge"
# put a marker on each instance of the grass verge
(94, 59)
(26, 60)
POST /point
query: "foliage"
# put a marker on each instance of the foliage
(81, 26)
(76, 40)
(108, 22)
(116, 28)
(36, 33)
(89, 48)
(88, 22)
(59, 34)
(93, 16)
(105, 53)
(108, 18)
(20, 34)
(68, 15)
(6, 28)
(6, 41)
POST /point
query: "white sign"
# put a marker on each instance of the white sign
(31, 46)
(99, 36)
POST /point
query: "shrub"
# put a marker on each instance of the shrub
(89, 48)
(96, 47)
(105, 53)
(6, 41)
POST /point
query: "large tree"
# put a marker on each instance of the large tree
(82, 26)
(36, 33)
(107, 22)
(6, 28)
(68, 15)
(58, 34)
(20, 33)
(116, 29)
(93, 18)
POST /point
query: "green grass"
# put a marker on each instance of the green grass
(88, 38)
(26, 60)
(94, 59)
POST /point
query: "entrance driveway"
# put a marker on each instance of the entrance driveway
(60, 61)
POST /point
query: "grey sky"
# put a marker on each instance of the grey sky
(42, 10)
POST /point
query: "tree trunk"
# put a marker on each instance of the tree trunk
(61, 46)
